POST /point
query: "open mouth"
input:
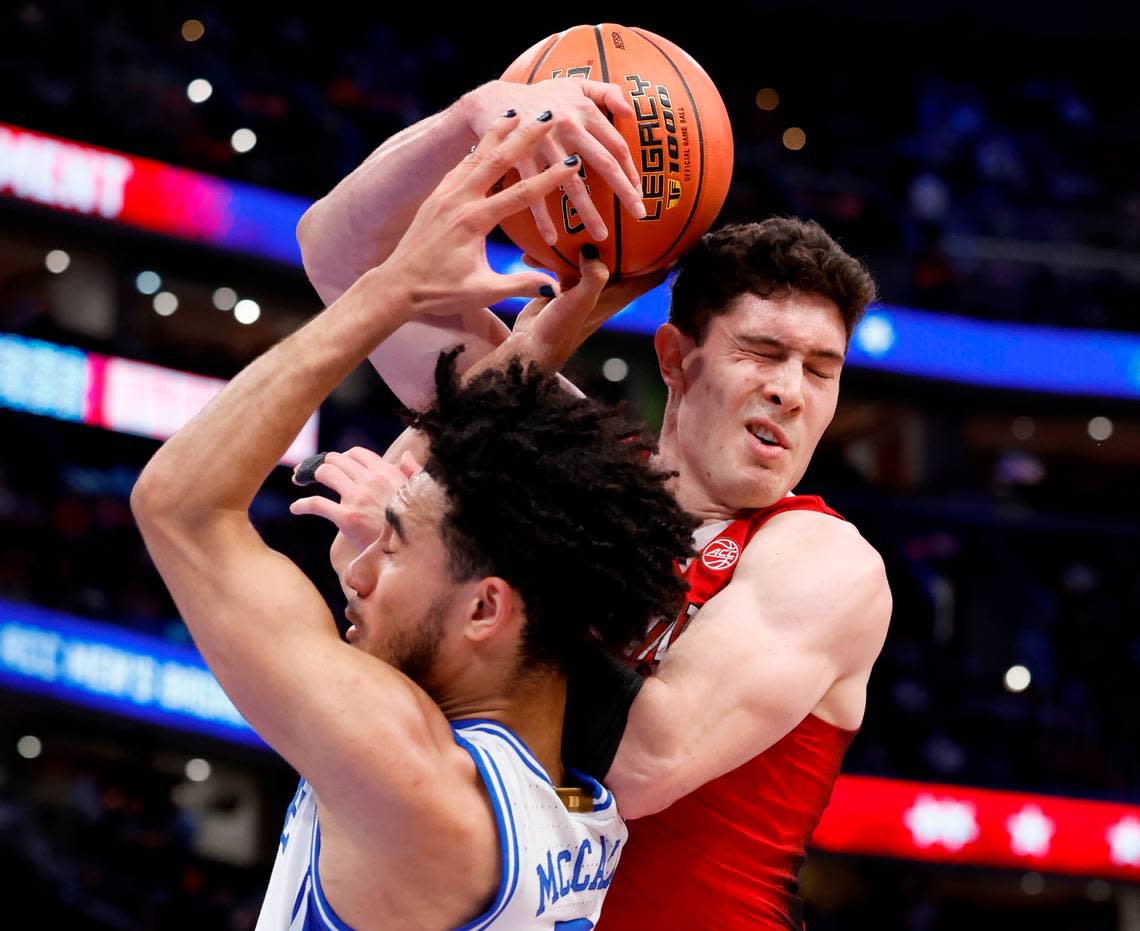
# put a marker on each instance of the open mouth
(765, 436)
(353, 632)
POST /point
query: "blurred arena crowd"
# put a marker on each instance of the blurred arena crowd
(969, 185)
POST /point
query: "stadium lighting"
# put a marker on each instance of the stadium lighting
(225, 298)
(199, 90)
(246, 311)
(148, 282)
(1023, 428)
(794, 138)
(767, 99)
(165, 303)
(615, 369)
(193, 30)
(243, 140)
(1100, 429)
(57, 261)
(1017, 679)
(29, 747)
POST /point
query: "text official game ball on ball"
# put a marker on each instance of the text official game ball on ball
(680, 139)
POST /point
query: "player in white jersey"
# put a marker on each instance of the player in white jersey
(557, 860)
(429, 743)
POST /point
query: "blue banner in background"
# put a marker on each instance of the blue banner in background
(258, 221)
(990, 354)
(114, 670)
(892, 339)
(927, 344)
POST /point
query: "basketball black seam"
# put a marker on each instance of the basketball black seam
(602, 55)
(700, 143)
(616, 233)
(530, 80)
(542, 58)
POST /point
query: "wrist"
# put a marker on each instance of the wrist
(387, 296)
(468, 112)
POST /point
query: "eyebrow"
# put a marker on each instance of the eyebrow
(393, 520)
(771, 342)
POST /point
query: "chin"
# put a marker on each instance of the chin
(766, 490)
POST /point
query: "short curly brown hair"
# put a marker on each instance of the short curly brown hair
(781, 254)
(557, 495)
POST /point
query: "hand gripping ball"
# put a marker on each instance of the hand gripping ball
(680, 139)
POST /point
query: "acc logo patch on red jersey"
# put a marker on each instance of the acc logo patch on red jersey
(721, 554)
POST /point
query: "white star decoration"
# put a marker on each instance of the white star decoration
(1030, 832)
(941, 821)
(1124, 841)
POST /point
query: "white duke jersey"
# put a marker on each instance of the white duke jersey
(556, 864)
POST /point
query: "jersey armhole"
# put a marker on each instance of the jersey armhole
(324, 908)
(508, 834)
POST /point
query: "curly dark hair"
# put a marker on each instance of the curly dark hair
(781, 254)
(555, 494)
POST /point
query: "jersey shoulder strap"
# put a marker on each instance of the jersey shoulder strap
(711, 570)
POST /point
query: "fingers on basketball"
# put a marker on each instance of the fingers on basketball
(499, 151)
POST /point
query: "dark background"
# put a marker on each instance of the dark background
(980, 157)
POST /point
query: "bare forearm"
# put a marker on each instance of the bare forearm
(357, 224)
(644, 766)
(406, 360)
(255, 418)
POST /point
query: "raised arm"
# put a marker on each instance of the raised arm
(795, 632)
(356, 225)
(259, 623)
(547, 332)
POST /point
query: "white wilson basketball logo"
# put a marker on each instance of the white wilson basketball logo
(720, 554)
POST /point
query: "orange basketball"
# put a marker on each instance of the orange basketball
(680, 139)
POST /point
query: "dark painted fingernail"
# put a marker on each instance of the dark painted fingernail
(545, 116)
(511, 112)
(590, 251)
(303, 474)
(570, 160)
(546, 290)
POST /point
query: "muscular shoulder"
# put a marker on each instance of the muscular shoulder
(816, 575)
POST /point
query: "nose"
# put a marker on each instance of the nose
(360, 576)
(785, 387)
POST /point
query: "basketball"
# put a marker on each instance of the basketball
(680, 139)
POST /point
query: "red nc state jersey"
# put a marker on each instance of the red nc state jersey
(727, 855)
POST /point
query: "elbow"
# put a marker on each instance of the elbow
(151, 502)
(646, 778)
(162, 498)
(643, 787)
(305, 232)
(144, 496)
(319, 263)
(307, 237)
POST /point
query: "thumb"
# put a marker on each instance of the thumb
(608, 96)
(408, 464)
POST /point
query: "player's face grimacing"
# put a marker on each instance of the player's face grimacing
(401, 592)
(759, 392)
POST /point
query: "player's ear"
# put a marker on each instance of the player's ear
(672, 347)
(491, 608)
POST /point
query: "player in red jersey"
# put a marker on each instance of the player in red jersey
(734, 742)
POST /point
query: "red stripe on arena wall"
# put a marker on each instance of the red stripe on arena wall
(981, 827)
